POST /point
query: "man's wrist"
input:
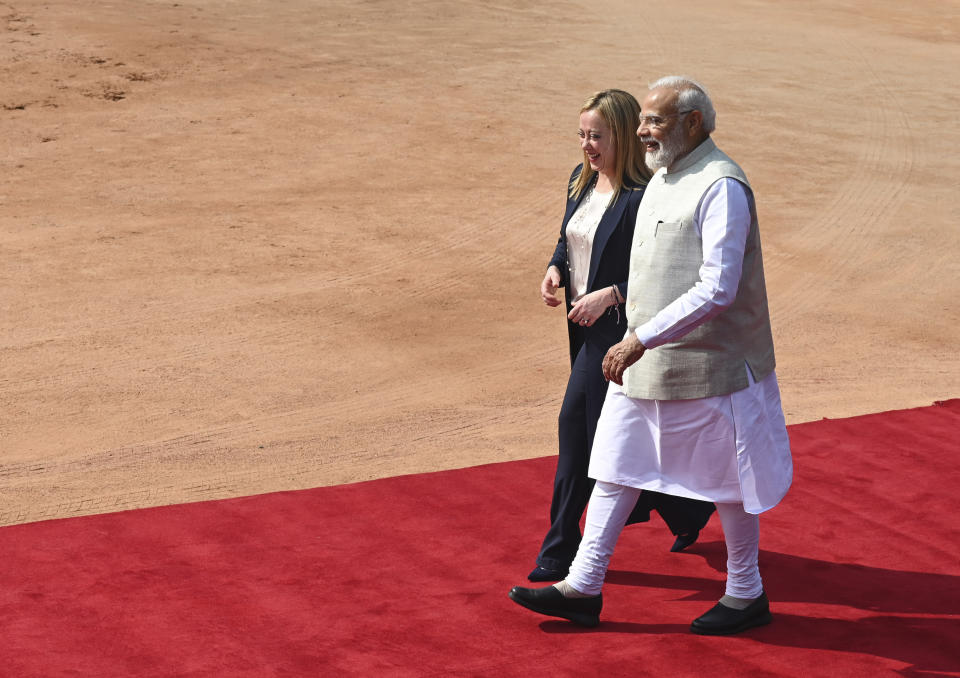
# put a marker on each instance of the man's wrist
(644, 337)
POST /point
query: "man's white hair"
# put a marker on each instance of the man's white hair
(692, 96)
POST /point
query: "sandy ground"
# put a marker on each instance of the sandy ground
(250, 246)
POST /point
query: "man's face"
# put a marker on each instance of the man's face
(661, 129)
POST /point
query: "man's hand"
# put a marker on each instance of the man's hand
(548, 288)
(621, 356)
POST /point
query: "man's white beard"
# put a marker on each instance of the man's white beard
(670, 149)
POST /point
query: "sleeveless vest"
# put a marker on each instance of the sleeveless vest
(665, 259)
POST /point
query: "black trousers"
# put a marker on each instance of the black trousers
(579, 414)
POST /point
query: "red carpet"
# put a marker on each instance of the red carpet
(408, 576)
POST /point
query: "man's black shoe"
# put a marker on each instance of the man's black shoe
(549, 601)
(721, 620)
(546, 574)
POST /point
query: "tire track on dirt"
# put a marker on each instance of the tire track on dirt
(522, 236)
(436, 280)
(459, 237)
(292, 422)
(864, 203)
(303, 474)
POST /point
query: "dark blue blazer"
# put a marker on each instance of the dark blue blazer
(609, 265)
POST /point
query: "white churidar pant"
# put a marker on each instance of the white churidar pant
(609, 507)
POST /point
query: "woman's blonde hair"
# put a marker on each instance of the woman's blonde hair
(621, 112)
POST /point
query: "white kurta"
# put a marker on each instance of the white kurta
(728, 448)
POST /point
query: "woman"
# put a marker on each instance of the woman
(592, 261)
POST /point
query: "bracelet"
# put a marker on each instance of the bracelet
(616, 301)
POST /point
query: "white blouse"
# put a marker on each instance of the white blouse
(581, 229)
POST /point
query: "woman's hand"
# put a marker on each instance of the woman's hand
(590, 307)
(549, 286)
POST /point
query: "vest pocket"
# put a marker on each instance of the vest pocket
(667, 227)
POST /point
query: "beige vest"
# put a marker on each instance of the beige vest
(665, 260)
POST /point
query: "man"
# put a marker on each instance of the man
(694, 406)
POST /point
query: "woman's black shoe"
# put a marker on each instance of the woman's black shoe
(684, 540)
(546, 574)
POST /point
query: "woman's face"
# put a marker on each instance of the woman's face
(597, 142)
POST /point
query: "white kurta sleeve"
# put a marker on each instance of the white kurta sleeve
(723, 222)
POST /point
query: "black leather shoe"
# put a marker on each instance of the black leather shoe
(721, 620)
(549, 601)
(546, 574)
(684, 540)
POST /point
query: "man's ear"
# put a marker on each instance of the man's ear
(694, 123)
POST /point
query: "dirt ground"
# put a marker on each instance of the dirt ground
(250, 246)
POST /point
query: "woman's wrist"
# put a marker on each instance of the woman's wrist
(614, 296)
